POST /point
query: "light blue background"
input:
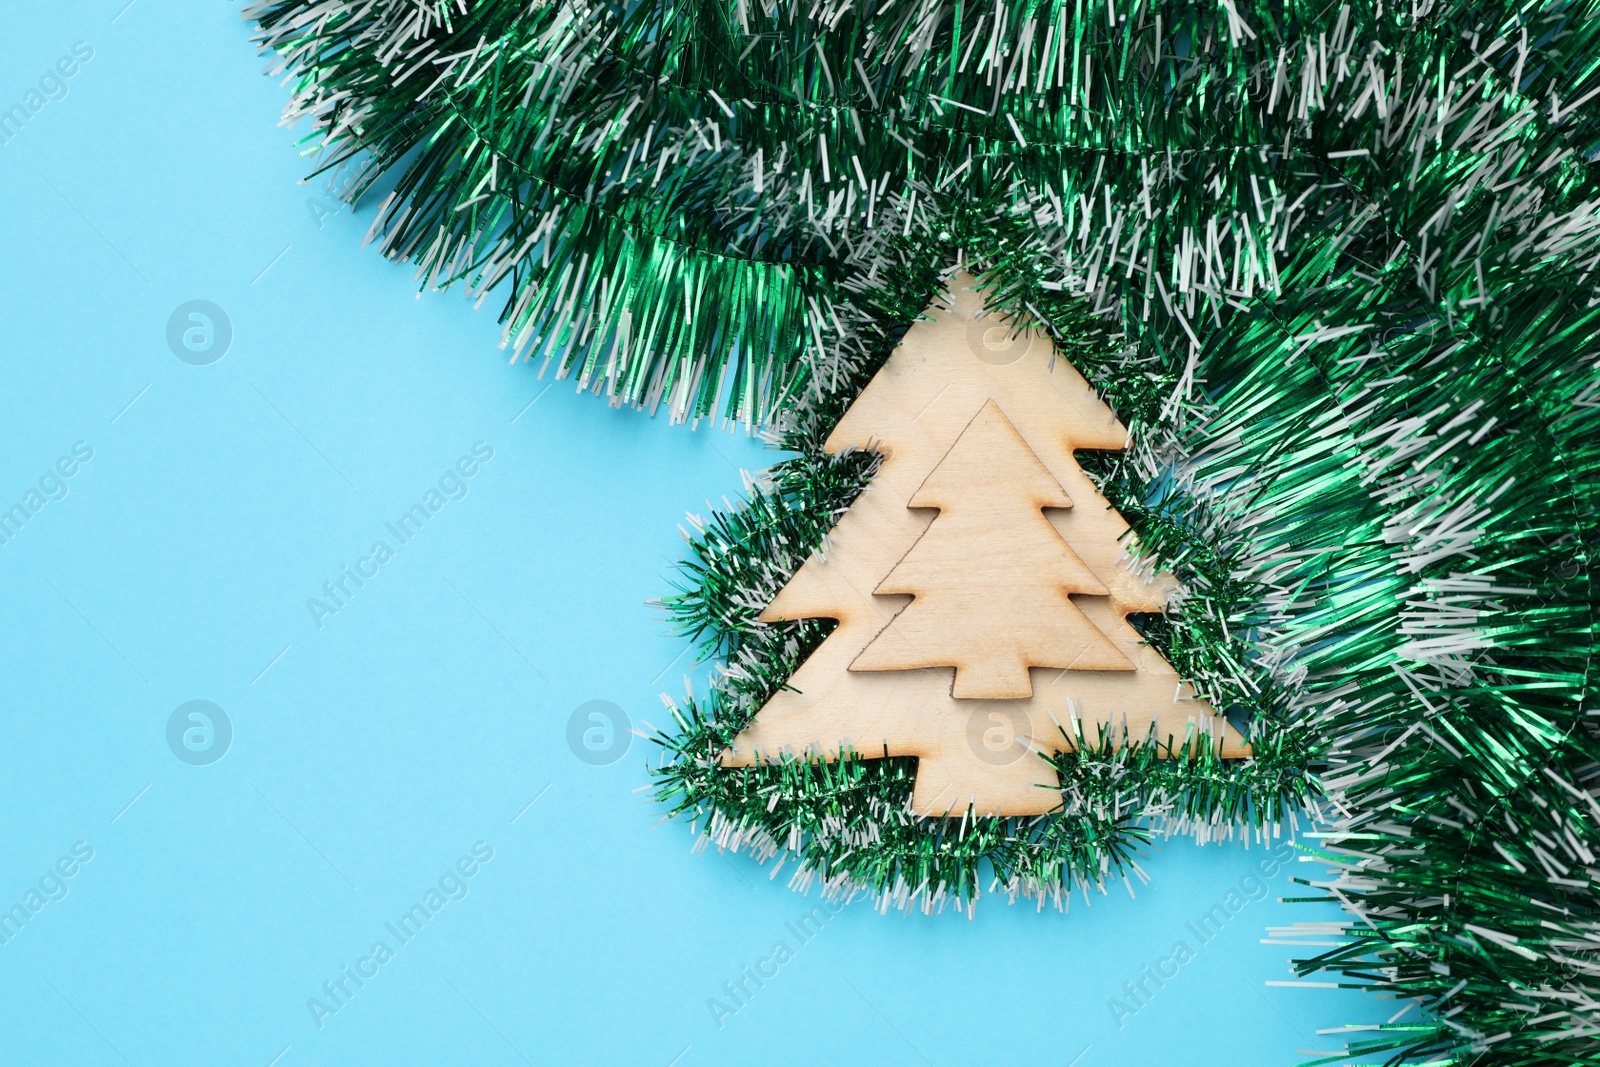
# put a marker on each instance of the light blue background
(426, 715)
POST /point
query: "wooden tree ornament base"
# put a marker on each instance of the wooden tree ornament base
(971, 634)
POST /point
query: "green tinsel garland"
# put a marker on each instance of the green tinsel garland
(1334, 266)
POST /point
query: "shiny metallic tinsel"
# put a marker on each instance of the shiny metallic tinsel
(1334, 265)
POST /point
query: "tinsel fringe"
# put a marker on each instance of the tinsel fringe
(1335, 266)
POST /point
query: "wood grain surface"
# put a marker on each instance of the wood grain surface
(968, 637)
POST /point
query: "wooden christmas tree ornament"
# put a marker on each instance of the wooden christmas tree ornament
(979, 583)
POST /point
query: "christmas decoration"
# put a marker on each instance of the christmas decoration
(989, 586)
(1333, 266)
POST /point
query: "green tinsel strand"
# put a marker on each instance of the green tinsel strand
(1335, 267)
